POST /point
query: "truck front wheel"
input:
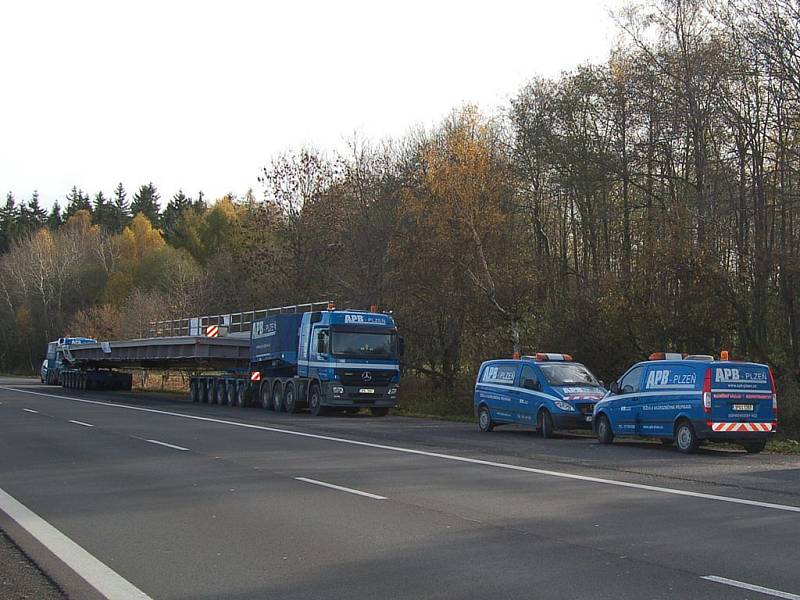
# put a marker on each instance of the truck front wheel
(315, 401)
(379, 411)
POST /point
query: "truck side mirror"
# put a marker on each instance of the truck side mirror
(401, 346)
(614, 387)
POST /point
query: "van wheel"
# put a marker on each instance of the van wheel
(685, 438)
(485, 422)
(266, 397)
(288, 399)
(315, 401)
(755, 447)
(605, 435)
(545, 422)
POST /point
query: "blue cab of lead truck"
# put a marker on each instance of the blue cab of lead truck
(323, 360)
(687, 400)
(546, 390)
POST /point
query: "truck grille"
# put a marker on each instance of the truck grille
(357, 377)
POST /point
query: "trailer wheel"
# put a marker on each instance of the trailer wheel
(266, 396)
(220, 392)
(205, 391)
(277, 397)
(193, 393)
(315, 401)
(241, 395)
(82, 381)
(231, 389)
(289, 402)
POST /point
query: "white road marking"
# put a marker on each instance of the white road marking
(30, 410)
(106, 581)
(341, 489)
(81, 423)
(165, 444)
(751, 587)
(462, 459)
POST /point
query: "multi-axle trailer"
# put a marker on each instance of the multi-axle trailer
(306, 356)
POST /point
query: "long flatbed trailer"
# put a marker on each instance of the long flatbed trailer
(178, 352)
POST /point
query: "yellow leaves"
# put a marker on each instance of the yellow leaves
(144, 237)
(43, 241)
(464, 177)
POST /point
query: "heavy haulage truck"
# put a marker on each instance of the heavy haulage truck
(322, 360)
(283, 359)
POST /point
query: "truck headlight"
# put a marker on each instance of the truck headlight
(337, 389)
(564, 406)
(392, 391)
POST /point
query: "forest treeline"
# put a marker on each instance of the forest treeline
(648, 203)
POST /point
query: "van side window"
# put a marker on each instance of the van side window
(528, 375)
(631, 382)
(502, 374)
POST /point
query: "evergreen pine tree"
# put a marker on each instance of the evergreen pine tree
(172, 212)
(8, 222)
(54, 219)
(77, 200)
(201, 205)
(145, 201)
(37, 216)
(103, 211)
(121, 209)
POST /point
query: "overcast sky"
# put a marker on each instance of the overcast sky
(200, 95)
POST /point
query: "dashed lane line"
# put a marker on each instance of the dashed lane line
(341, 489)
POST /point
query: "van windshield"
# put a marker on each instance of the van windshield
(568, 374)
(364, 345)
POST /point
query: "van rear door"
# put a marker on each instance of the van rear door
(741, 393)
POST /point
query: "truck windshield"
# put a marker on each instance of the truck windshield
(568, 374)
(363, 345)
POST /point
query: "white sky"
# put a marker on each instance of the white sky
(200, 95)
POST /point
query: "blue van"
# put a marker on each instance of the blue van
(546, 390)
(687, 400)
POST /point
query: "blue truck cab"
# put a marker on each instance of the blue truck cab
(689, 399)
(334, 359)
(546, 390)
(56, 354)
(354, 357)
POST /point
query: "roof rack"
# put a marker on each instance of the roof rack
(699, 357)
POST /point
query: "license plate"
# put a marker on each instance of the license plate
(744, 407)
(589, 418)
(366, 391)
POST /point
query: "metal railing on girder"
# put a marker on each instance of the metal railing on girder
(226, 323)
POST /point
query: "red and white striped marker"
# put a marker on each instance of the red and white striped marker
(212, 331)
(741, 426)
(255, 376)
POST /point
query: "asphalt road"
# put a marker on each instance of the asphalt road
(197, 501)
